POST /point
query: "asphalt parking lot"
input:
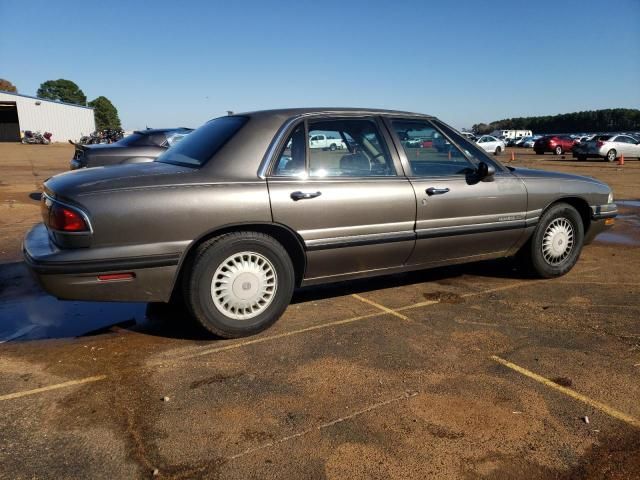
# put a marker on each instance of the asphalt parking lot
(474, 371)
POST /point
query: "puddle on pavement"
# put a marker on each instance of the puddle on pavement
(626, 230)
(42, 316)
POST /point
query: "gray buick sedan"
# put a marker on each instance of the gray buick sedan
(245, 209)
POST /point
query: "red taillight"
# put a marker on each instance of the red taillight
(110, 277)
(66, 219)
(599, 143)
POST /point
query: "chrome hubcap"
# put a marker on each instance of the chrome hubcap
(244, 285)
(558, 241)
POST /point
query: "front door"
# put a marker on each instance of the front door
(459, 218)
(354, 209)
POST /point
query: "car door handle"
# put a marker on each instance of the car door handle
(304, 195)
(436, 191)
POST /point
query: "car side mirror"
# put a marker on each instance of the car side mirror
(485, 170)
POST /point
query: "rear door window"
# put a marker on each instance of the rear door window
(350, 148)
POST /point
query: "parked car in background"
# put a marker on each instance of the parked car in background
(139, 147)
(609, 147)
(581, 138)
(512, 142)
(242, 211)
(469, 136)
(491, 144)
(529, 142)
(326, 142)
(557, 144)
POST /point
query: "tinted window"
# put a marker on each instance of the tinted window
(131, 140)
(435, 155)
(349, 147)
(200, 145)
(175, 137)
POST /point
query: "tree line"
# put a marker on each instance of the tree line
(608, 120)
(62, 90)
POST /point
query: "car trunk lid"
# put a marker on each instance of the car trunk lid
(73, 184)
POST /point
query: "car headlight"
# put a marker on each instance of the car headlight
(610, 198)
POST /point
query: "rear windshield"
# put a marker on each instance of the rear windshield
(198, 147)
(137, 139)
(130, 140)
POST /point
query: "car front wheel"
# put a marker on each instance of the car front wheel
(557, 241)
(558, 150)
(498, 150)
(239, 283)
(611, 155)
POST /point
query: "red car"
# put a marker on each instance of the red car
(557, 144)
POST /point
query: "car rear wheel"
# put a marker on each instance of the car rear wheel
(558, 150)
(557, 241)
(582, 158)
(611, 155)
(239, 283)
(498, 150)
(333, 147)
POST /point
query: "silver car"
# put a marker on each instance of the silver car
(609, 147)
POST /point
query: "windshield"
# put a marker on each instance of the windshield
(198, 147)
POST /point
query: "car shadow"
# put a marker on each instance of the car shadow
(37, 196)
(28, 313)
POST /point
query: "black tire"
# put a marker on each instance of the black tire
(210, 256)
(611, 155)
(333, 147)
(498, 150)
(538, 152)
(538, 261)
(582, 158)
(558, 150)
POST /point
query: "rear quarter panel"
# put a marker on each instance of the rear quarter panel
(175, 215)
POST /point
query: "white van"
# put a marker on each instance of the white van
(509, 134)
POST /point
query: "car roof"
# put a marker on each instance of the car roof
(293, 112)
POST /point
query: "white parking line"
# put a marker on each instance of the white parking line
(381, 307)
(71, 383)
(254, 341)
(322, 426)
(612, 412)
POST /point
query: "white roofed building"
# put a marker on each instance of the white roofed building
(65, 121)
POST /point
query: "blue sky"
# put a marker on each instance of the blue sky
(168, 63)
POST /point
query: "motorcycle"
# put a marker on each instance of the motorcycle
(34, 138)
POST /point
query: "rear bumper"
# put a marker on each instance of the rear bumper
(152, 279)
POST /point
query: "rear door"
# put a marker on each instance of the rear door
(354, 209)
(458, 218)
